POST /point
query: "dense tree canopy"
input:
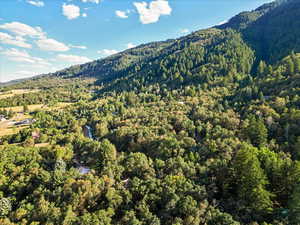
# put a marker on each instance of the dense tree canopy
(198, 130)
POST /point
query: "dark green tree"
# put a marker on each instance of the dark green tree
(257, 131)
(294, 206)
(251, 182)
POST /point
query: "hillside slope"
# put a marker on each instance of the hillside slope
(272, 31)
(194, 131)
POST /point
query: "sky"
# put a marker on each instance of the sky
(42, 36)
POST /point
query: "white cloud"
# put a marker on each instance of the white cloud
(92, 1)
(22, 29)
(17, 41)
(15, 53)
(78, 46)
(18, 75)
(71, 11)
(36, 3)
(23, 56)
(121, 14)
(107, 52)
(184, 31)
(150, 13)
(52, 45)
(73, 58)
(84, 15)
(130, 45)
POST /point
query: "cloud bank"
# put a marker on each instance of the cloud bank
(150, 13)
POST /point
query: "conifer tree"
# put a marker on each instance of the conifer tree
(261, 68)
(251, 181)
(294, 206)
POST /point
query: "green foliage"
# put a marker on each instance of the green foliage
(199, 130)
(257, 132)
(294, 206)
(251, 182)
(221, 218)
(5, 206)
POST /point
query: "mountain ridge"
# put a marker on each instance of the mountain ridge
(249, 24)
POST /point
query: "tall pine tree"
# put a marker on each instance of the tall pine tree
(251, 182)
(294, 206)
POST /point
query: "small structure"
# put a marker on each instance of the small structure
(83, 170)
(25, 122)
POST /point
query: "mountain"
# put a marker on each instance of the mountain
(277, 33)
(199, 130)
(272, 31)
(169, 62)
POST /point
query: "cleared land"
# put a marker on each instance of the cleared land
(41, 145)
(12, 93)
(32, 108)
(7, 127)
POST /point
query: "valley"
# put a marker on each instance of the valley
(199, 130)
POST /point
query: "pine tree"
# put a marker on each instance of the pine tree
(257, 132)
(290, 70)
(269, 70)
(294, 206)
(261, 68)
(251, 181)
(297, 64)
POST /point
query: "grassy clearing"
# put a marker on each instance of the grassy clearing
(10, 130)
(19, 109)
(6, 127)
(41, 145)
(12, 93)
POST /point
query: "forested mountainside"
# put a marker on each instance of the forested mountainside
(201, 130)
(271, 31)
(275, 34)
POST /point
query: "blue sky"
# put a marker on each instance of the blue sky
(41, 36)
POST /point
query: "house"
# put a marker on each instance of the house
(25, 122)
(83, 170)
